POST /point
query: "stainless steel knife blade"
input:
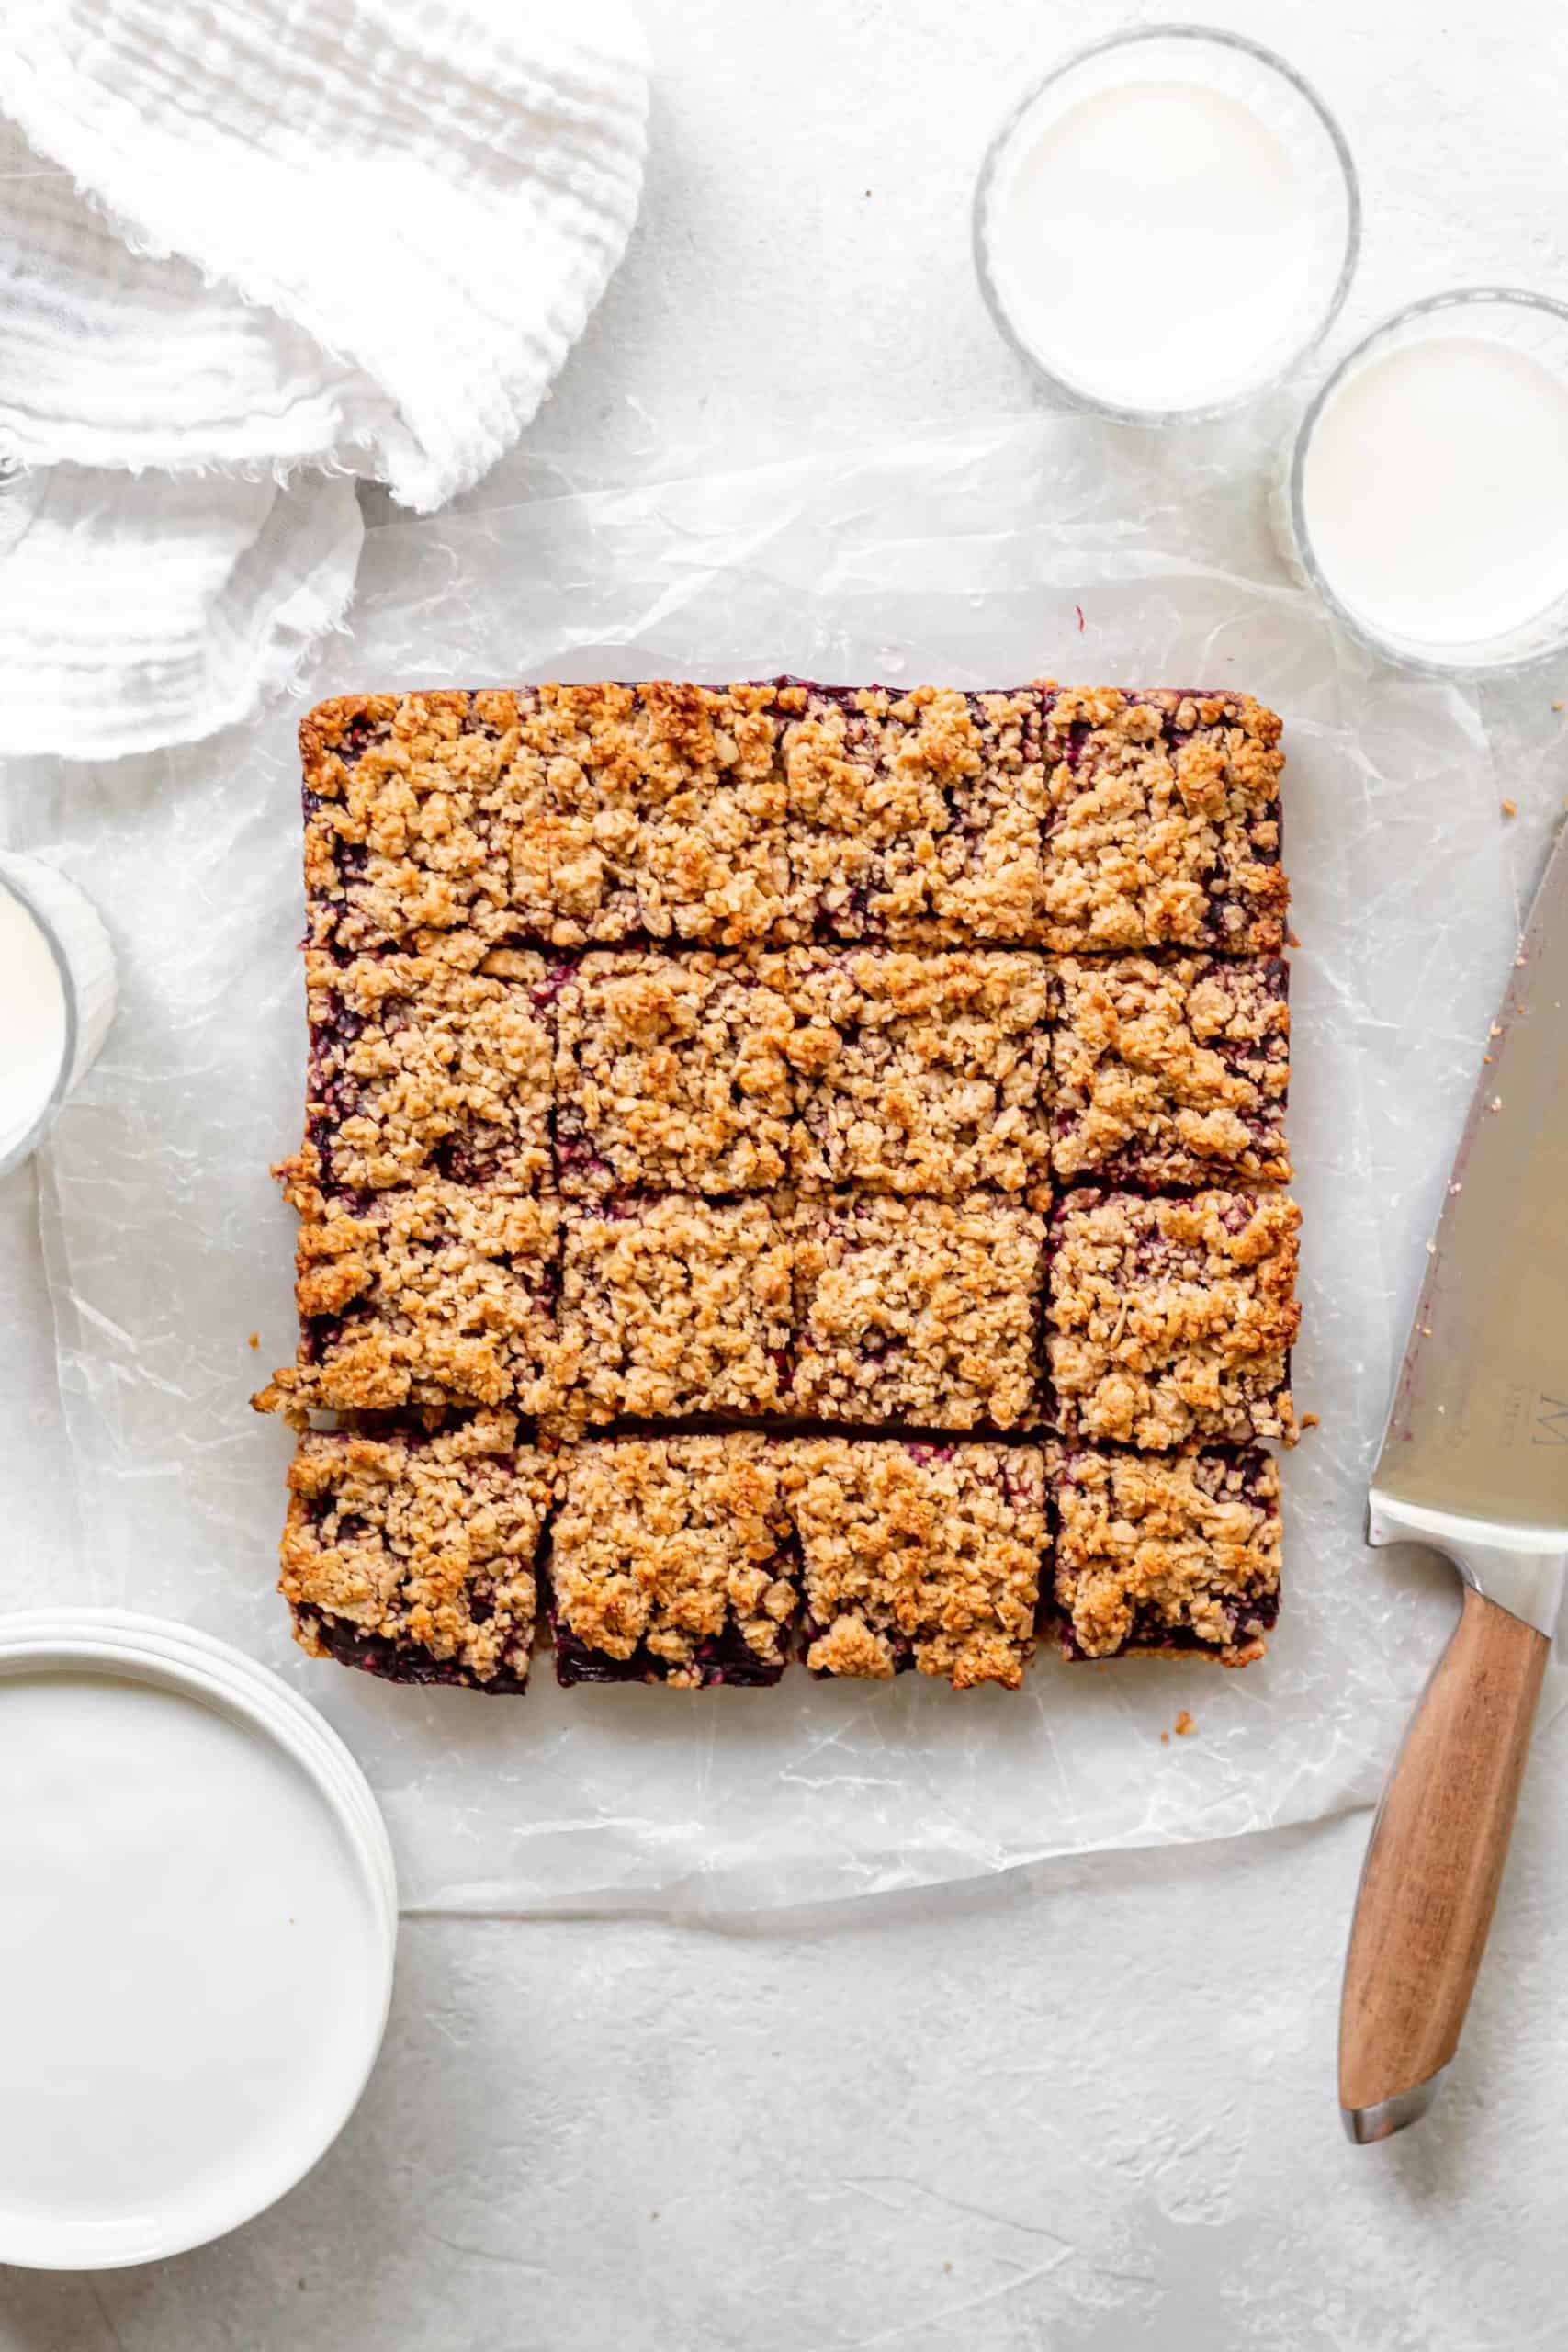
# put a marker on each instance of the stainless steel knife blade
(1475, 1459)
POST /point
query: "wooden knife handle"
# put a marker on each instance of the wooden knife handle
(1433, 1868)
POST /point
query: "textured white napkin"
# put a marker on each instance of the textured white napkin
(241, 238)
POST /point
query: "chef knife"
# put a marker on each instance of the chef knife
(1475, 1463)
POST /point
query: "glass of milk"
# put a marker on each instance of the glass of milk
(1167, 225)
(1428, 495)
(57, 998)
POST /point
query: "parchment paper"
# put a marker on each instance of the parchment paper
(1046, 547)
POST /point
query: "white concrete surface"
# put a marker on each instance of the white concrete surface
(1090, 2105)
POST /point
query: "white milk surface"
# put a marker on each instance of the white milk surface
(185, 1957)
(1152, 243)
(1435, 490)
(32, 1022)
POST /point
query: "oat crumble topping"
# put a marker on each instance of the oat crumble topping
(1172, 1320)
(914, 815)
(673, 1306)
(923, 1555)
(672, 1561)
(416, 1557)
(424, 1295)
(1178, 1553)
(1170, 1073)
(420, 1065)
(925, 1312)
(922, 1073)
(1164, 827)
(674, 1074)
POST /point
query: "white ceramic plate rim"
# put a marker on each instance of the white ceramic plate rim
(147, 1649)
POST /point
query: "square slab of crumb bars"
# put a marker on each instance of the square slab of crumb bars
(674, 1073)
(426, 1294)
(922, 1073)
(663, 809)
(1164, 825)
(415, 1557)
(1170, 1322)
(420, 1065)
(1165, 1552)
(1171, 1073)
(672, 1561)
(913, 814)
(673, 1306)
(923, 1312)
(919, 1556)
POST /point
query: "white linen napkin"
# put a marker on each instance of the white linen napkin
(243, 238)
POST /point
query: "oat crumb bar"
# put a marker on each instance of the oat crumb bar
(674, 1073)
(922, 1073)
(924, 1312)
(674, 1306)
(1170, 1321)
(672, 1561)
(1164, 825)
(919, 1556)
(1165, 1554)
(1171, 1073)
(415, 1557)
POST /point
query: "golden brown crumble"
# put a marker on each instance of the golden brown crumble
(922, 1073)
(420, 1296)
(1164, 829)
(1170, 1073)
(919, 1555)
(417, 1063)
(673, 1306)
(1172, 1320)
(918, 1311)
(425, 1547)
(1178, 1553)
(676, 1551)
(423, 818)
(914, 815)
(674, 1074)
(663, 811)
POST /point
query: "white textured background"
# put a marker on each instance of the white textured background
(1090, 2105)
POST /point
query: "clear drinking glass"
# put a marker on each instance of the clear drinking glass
(1216, 64)
(83, 959)
(1531, 325)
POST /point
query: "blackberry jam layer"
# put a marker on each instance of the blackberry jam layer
(672, 1561)
(1165, 1554)
(415, 1557)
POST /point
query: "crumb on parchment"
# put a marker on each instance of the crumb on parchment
(1185, 1725)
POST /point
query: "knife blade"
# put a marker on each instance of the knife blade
(1474, 1462)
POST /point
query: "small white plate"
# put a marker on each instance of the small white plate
(197, 1928)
